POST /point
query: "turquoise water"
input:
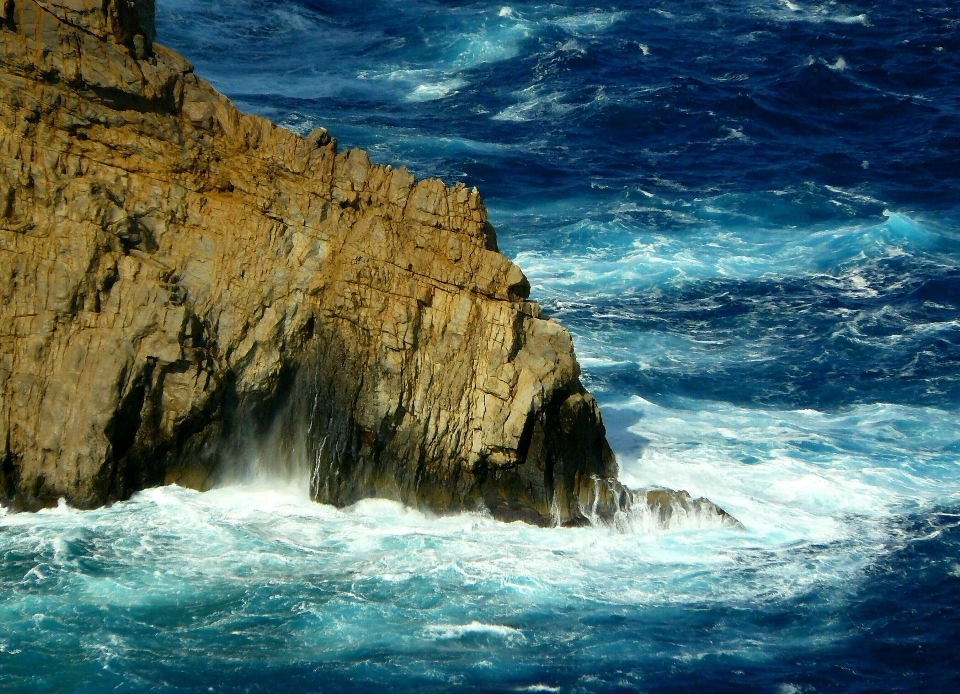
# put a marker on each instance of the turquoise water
(746, 213)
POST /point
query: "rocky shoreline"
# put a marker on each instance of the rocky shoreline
(178, 277)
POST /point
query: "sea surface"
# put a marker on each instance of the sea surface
(747, 213)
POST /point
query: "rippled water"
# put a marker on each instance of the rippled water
(747, 214)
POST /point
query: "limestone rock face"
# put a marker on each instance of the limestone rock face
(175, 275)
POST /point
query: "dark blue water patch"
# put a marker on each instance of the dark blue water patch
(910, 609)
(904, 620)
(783, 342)
(709, 96)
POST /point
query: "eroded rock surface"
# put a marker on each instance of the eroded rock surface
(171, 269)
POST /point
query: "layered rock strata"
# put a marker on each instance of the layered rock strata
(176, 275)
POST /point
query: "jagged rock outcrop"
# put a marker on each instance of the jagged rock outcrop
(175, 274)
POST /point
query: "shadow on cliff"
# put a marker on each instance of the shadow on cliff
(302, 437)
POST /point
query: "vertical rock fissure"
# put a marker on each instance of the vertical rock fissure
(123, 428)
(8, 472)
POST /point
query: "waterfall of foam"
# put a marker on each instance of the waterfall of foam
(318, 460)
(555, 511)
(657, 510)
(277, 445)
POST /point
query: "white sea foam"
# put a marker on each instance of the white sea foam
(852, 19)
(589, 23)
(839, 65)
(456, 631)
(809, 475)
(535, 104)
(601, 267)
(490, 43)
(378, 573)
(788, 11)
(736, 134)
(601, 362)
(439, 90)
(444, 75)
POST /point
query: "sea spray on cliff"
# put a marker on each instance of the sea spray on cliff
(294, 446)
(278, 445)
(649, 510)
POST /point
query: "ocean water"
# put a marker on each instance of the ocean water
(747, 213)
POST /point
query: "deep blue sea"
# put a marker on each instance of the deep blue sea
(747, 213)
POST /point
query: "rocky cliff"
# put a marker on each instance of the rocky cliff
(177, 277)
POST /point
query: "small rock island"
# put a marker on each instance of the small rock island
(177, 277)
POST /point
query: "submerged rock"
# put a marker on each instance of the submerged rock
(179, 279)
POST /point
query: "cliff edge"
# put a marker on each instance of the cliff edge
(177, 277)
